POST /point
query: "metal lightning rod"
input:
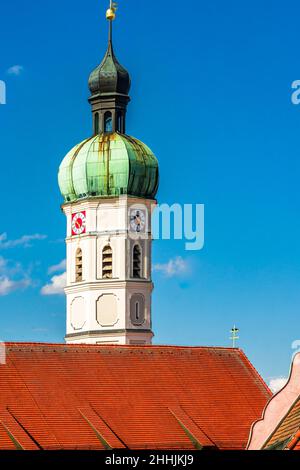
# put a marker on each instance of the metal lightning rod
(234, 335)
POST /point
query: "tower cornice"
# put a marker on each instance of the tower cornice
(108, 284)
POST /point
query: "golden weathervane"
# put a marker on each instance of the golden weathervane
(111, 12)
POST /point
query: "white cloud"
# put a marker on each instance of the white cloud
(8, 285)
(24, 241)
(13, 277)
(15, 70)
(57, 282)
(56, 268)
(56, 285)
(175, 267)
(277, 383)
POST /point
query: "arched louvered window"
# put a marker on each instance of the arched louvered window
(137, 262)
(78, 265)
(107, 262)
(108, 127)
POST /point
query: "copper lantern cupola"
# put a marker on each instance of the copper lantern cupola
(109, 84)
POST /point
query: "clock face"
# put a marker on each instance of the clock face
(79, 223)
(137, 220)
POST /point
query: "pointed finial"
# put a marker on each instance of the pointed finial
(234, 335)
(111, 12)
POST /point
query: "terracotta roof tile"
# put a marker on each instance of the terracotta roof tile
(6, 441)
(288, 427)
(88, 397)
(20, 438)
(200, 439)
(294, 444)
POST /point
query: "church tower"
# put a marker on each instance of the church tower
(109, 183)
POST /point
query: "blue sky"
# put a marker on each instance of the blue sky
(211, 95)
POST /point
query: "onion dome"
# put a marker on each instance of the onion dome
(109, 77)
(108, 165)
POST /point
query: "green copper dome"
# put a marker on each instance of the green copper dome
(108, 165)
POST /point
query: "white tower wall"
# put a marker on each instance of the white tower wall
(115, 310)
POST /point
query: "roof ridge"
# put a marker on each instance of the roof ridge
(125, 346)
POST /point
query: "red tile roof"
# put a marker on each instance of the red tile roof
(294, 444)
(288, 429)
(56, 396)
